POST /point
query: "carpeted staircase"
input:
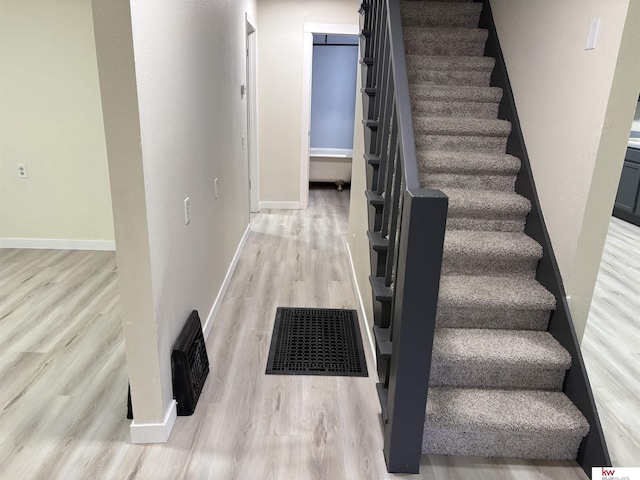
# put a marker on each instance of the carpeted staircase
(497, 374)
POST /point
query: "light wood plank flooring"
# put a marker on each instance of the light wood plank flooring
(62, 367)
(611, 343)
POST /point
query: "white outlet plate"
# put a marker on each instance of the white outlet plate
(215, 187)
(22, 170)
(187, 211)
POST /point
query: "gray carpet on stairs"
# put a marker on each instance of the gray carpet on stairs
(502, 423)
(449, 71)
(496, 373)
(484, 358)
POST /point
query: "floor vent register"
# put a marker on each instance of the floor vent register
(316, 341)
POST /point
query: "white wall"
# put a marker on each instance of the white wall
(576, 108)
(280, 49)
(189, 65)
(51, 120)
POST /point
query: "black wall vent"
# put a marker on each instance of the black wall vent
(189, 365)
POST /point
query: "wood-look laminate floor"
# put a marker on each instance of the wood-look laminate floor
(62, 371)
(611, 343)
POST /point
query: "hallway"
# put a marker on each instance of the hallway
(247, 425)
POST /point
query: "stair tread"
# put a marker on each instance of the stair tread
(383, 341)
(472, 94)
(523, 412)
(444, 1)
(474, 127)
(467, 162)
(494, 292)
(381, 292)
(446, 34)
(429, 5)
(503, 348)
(372, 159)
(486, 201)
(377, 241)
(375, 199)
(489, 243)
(451, 62)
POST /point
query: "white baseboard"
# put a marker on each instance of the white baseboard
(58, 244)
(208, 324)
(280, 205)
(361, 304)
(154, 432)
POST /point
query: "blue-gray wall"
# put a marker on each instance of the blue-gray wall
(333, 95)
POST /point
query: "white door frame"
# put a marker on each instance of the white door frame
(307, 64)
(252, 113)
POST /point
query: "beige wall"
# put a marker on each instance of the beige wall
(51, 120)
(189, 65)
(576, 108)
(280, 47)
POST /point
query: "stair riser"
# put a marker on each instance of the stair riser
(461, 144)
(470, 376)
(441, 181)
(457, 317)
(370, 140)
(426, 46)
(456, 109)
(546, 445)
(381, 313)
(452, 78)
(378, 262)
(469, 265)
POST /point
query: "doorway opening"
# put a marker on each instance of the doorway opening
(327, 130)
(333, 99)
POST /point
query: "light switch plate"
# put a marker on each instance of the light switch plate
(187, 211)
(592, 36)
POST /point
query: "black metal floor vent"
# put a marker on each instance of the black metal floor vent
(316, 341)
